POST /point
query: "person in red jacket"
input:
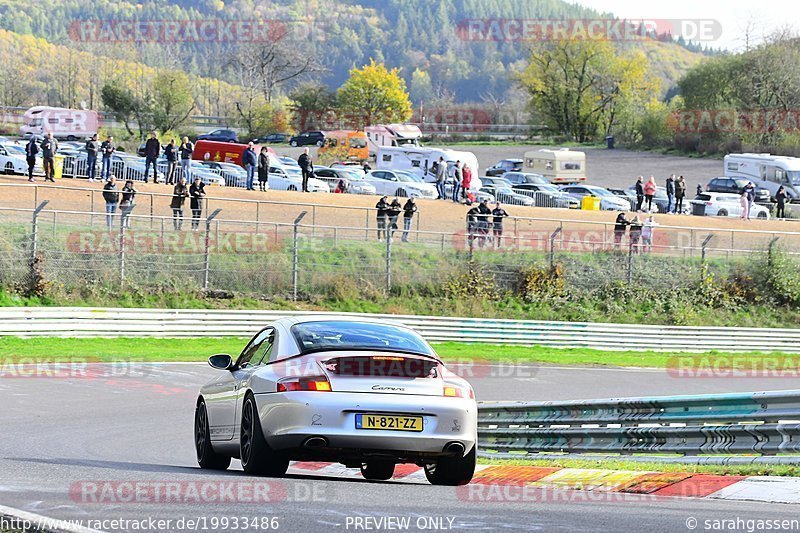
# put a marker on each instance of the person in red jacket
(649, 192)
(466, 181)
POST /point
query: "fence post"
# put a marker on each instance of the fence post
(630, 262)
(703, 248)
(151, 211)
(35, 231)
(366, 225)
(121, 253)
(553, 247)
(91, 218)
(388, 259)
(207, 255)
(294, 255)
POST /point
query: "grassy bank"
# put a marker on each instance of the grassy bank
(198, 349)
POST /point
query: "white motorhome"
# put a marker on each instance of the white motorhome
(766, 171)
(419, 160)
(69, 124)
(392, 135)
(558, 166)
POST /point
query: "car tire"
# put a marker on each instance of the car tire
(9, 168)
(377, 470)
(256, 455)
(722, 213)
(452, 471)
(319, 144)
(293, 144)
(291, 188)
(206, 457)
(401, 192)
(762, 216)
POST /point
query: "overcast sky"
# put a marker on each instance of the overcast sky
(766, 16)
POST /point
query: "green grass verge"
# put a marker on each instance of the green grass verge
(198, 349)
(623, 464)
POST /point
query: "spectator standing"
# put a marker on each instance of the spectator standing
(111, 196)
(49, 148)
(639, 193)
(263, 169)
(366, 167)
(92, 147)
(620, 227)
(394, 213)
(457, 176)
(383, 209)
(780, 197)
(699, 189)
(680, 192)
(306, 166)
(650, 191)
(127, 204)
(483, 222)
(31, 149)
(744, 201)
(171, 153)
(670, 185)
(750, 189)
(498, 214)
(635, 234)
(186, 150)
(107, 150)
(466, 182)
(647, 233)
(152, 149)
(472, 224)
(179, 194)
(250, 163)
(409, 209)
(197, 191)
(441, 175)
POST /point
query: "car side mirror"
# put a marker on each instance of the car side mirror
(221, 361)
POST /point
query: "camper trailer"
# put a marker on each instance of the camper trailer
(766, 171)
(420, 161)
(392, 135)
(68, 124)
(558, 166)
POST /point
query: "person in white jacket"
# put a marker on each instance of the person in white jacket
(647, 233)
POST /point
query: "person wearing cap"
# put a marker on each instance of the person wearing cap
(197, 191)
(498, 214)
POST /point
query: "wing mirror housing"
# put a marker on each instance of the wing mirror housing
(221, 361)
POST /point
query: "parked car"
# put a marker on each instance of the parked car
(308, 138)
(272, 138)
(355, 181)
(288, 161)
(547, 195)
(503, 166)
(736, 186)
(220, 135)
(288, 179)
(519, 178)
(608, 200)
(11, 162)
(495, 182)
(507, 195)
(722, 204)
(234, 175)
(207, 175)
(400, 183)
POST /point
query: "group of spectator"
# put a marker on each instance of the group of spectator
(111, 196)
(478, 224)
(675, 189)
(640, 233)
(460, 175)
(388, 214)
(48, 146)
(173, 153)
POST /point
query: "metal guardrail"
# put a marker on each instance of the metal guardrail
(762, 423)
(116, 322)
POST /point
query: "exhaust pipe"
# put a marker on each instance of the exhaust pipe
(317, 442)
(455, 448)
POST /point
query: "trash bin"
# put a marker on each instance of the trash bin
(610, 142)
(590, 203)
(58, 166)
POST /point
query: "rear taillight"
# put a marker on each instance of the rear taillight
(314, 383)
(454, 391)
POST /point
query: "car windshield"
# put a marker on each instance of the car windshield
(344, 335)
(597, 191)
(793, 176)
(352, 175)
(408, 177)
(548, 188)
(538, 180)
(505, 190)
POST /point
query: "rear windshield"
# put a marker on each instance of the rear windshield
(344, 335)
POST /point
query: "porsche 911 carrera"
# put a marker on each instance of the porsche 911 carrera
(369, 394)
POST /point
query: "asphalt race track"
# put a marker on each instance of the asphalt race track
(62, 435)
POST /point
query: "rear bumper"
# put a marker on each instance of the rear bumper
(289, 419)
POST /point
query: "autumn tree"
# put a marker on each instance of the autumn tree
(373, 94)
(120, 101)
(172, 100)
(313, 105)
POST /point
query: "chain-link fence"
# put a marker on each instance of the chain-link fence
(73, 250)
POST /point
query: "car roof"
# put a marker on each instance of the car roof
(290, 321)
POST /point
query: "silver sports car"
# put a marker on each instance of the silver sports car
(365, 393)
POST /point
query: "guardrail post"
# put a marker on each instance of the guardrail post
(553, 247)
(207, 254)
(703, 248)
(294, 255)
(35, 231)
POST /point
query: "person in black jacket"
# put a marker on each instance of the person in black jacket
(263, 169)
(31, 149)
(393, 213)
(680, 192)
(483, 222)
(498, 214)
(171, 153)
(306, 166)
(92, 147)
(670, 184)
(152, 149)
(179, 195)
(186, 149)
(111, 196)
(620, 227)
(49, 148)
(639, 192)
(472, 224)
(780, 197)
(127, 204)
(107, 150)
(250, 161)
(197, 191)
(409, 209)
(383, 208)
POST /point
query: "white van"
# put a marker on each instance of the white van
(420, 161)
(558, 166)
(392, 135)
(766, 171)
(69, 124)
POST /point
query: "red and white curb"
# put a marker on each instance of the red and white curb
(628, 482)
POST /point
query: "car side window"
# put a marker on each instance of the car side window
(264, 351)
(246, 358)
